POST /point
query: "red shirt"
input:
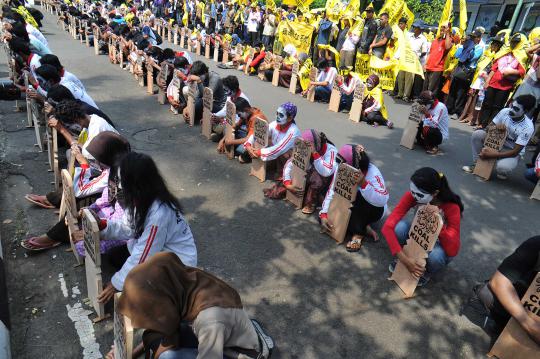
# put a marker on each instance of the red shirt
(449, 237)
(437, 55)
(498, 81)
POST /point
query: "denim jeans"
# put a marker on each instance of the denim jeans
(182, 353)
(437, 258)
(240, 133)
(530, 174)
(322, 93)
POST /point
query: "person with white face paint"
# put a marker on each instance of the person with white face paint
(519, 130)
(427, 186)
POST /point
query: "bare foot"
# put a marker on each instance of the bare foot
(372, 234)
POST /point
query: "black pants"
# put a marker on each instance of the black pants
(253, 37)
(374, 117)
(345, 103)
(431, 138)
(494, 101)
(59, 232)
(455, 103)
(117, 256)
(363, 214)
(432, 82)
(55, 198)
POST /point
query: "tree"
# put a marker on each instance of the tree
(427, 10)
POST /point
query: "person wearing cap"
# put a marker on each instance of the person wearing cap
(436, 58)
(371, 200)
(369, 32)
(347, 44)
(324, 82)
(433, 128)
(411, 86)
(467, 55)
(347, 84)
(374, 111)
(383, 36)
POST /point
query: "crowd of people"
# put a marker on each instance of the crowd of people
(142, 228)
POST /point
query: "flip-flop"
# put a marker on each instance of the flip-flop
(354, 241)
(37, 203)
(308, 209)
(30, 246)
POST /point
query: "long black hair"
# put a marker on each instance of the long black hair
(430, 180)
(142, 184)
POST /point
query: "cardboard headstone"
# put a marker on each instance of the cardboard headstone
(358, 98)
(95, 30)
(169, 32)
(230, 121)
(198, 47)
(265, 66)
(140, 70)
(175, 35)
(183, 37)
(81, 31)
(335, 98)
(206, 124)
(92, 262)
(163, 75)
(192, 93)
(86, 32)
(260, 137)
(312, 78)
(300, 164)
(345, 191)
(536, 192)
(33, 114)
(423, 234)
(514, 342)
(294, 77)
(68, 210)
(188, 39)
(123, 333)
(225, 57)
(174, 89)
(56, 167)
(277, 66)
(121, 53)
(494, 140)
(216, 51)
(207, 47)
(149, 76)
(248, 61)
(411, 127)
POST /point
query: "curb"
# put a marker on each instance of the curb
(5, 325)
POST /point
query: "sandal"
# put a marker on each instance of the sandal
(31, 245)
(308, 209)
(39, 201)
(354, 245)
(432, 151)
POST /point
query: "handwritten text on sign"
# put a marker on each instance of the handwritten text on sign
(207, 99)
(345, 184)
(301, 154)
(230, 113)
(89, 243)
(260, 133)
(427, 223)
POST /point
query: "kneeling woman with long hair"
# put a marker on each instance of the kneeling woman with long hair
(427, 186)
(152, 218)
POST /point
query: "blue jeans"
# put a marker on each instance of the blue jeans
(322, 93)
(437, 258)
(240, 133)
(182, 353)
(530, 174)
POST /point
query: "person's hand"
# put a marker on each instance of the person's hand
(500, 127)
(8, 36)
(47, 108)
(53, 123)
(31, 93)
(423, 109)
(193, 78)
(77, 236)
(358, 178)
(252, 153)
(221, 146)
(416, 268)
(110, 354)
(326, 226)
(294, 190)
(75, 150)
(487, 153)
(107, 294)
(185, 112)
(532, 327)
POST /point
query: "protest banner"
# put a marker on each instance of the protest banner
(411, 127)
(295, 33)
(300, 164)
(495, 141)
(206, 125)
(260, 136)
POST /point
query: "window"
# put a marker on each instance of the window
(529, 17)
(487, 15)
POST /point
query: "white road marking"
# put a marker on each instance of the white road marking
(63, 285)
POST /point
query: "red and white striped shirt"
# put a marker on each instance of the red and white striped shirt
(281, 139)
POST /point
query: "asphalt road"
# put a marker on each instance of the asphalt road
(315, 299)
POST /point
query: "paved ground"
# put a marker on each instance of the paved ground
(317, 300)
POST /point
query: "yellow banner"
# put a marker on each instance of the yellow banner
(361, 67)
(386, 70)
(397, 9)
(446, 15)
(296, 33)
(408, 60)
(303, 74)
(462, 16)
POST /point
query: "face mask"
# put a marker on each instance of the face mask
(516, 111)
(228, 92)
(419, 195)
(281, 116)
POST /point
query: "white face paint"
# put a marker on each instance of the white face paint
(516, 111)
(281, 116)
(420, 196)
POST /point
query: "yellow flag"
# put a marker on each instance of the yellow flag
(446, 15)
(296, 33)
(352, 9)
(333, 51)
(289, 2)
(334, 9)
(271, 4)
(462, 16)
(408, 60)
(303, 74)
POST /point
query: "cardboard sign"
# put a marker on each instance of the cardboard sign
(33, 114)
(248, 62)
(260, 136)
(68, 210)
(208, 101)
(207, 47)
(139, 70)
(183, 37)
(230, 121)
(55, 165)
(514, 342)
(411, 128)
(494, 140)
(358, 98)
(149, 76)
(174, 89)
(225, 57)
(95, 30)
(345, 191)
(294, 77)
(192, 93)
(536, 192)
(216, 51)
(277, 66)
(175, 35)
(121, 54)
(423, 234)
(189, 43)
(169, 32)
(300, 164)
(123, 333)
(86, 32)
(162, 76)
(312, 78)
(92, 263)
(198, 47)
(335, 98)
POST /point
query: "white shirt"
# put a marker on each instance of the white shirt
(71, 77)
(328, 76)
(253, 21)
(419, 45)
(438, 118)
(350, 43)
(280, 141)
(325, 164)
(36, 33)
(96, 126)
(269, 28)
(517, 133)
(78, 92)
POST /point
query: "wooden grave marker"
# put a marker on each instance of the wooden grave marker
(139, 69)
(163, 75)
(149, 76)
(226, 49)
(312, 78)
(216, 51)
(120, 53)
(358, 98)
(300, 164)
(514, 342)
(123, 333)
(335, 97)
(260, 137)
(81, 31)
(95, 31)
(175, 88)
(294, 77)
(266, 65)
(411, 127)
(92, 262)
(198, 47)
(68, 210)
(192, 93)
(345, 192)
(536, 192)
(175, 35)
(33, 115)
(86, 37)
(423, 234)
(494, 140)
(207, 47)
(248, 61)
(277, 67)
(188, 39)
(230, 121)
(182, 37)
(206, 124)
(169, 32)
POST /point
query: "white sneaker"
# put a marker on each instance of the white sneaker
(468, 169)
(502, 176)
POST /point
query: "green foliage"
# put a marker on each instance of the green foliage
(430, 11)
(316, 4)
